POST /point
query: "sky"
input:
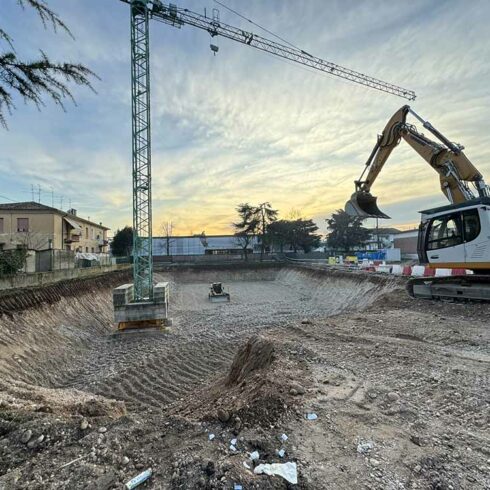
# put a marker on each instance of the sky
(246, 126)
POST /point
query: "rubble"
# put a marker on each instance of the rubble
(248, 374)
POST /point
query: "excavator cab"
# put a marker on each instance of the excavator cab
(364, 205)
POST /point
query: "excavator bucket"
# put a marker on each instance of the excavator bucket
(363, 204)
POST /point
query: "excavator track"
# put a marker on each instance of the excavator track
(462, 288)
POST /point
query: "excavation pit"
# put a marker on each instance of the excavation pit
(372, 363)
(68, 344)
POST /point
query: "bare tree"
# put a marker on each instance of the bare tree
(294, 214)
(167, 233)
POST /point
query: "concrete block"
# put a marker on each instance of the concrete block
(125, 310)
(161, 292)
(123, 294)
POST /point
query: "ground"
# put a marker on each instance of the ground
(400, 387)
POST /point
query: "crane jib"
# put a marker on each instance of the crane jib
(170, 14)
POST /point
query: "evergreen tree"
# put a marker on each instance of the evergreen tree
(35, 79)
(346, 232)
(247, 228)
(122, 244)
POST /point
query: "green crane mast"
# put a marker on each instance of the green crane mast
(141, 13)
(140, 97)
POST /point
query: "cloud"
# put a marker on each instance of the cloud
(244, 126)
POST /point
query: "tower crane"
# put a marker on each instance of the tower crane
(141, 12)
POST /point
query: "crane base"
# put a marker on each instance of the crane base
(141, 315)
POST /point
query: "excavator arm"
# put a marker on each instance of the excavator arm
(446, 158)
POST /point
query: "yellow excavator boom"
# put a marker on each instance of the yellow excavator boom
(446, 158)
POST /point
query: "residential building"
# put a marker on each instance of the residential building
(406, 241)
(39, 227)
(380, 238)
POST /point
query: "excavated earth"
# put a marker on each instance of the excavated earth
(400, 387)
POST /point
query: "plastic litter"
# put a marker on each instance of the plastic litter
(311, 416)
(233, 442)
(254, 456)
(281, 452)
(232, 448)
(365, 447)
(284, 437)
(236, 486)
(287, 470)
(139, 479)
(211, 437)
(246, 465)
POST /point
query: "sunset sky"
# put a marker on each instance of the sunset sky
(245, 126)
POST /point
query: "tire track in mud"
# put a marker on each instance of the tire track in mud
(154, 377)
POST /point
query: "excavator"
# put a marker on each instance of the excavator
(456, 236)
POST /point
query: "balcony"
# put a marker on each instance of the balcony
(72, 239)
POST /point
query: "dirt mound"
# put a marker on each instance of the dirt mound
(256, 354)
(254, 393)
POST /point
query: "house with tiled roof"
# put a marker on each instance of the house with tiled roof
(36, 226)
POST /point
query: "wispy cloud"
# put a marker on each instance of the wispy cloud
(245, 126)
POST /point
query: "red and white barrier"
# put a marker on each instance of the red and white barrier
(412, 271)
(425, 271)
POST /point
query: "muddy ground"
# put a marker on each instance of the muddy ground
(400, 388)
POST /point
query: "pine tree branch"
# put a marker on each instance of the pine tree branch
(34, 79)
(6, 38)
(46, 14)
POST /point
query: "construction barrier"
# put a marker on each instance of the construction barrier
(416, 270)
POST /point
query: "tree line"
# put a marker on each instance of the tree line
(345, 233)
(262, 221)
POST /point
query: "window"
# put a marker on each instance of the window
(471, 224)
(86, 233)
(1, 225)
(22, 224)
(445, 232)
(86, 249)
(93, 249)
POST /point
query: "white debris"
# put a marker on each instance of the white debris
(139, 479)
(233, 442)
(287, 470)
(246, 465)
(254, 456)
(281, 452)
(311, 416)
(284, 437)
(211, 437)
(232, 448)
(365, 447)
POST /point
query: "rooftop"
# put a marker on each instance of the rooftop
(36, 206)
(385, 231)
